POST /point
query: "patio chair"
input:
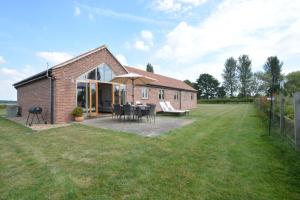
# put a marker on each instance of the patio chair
(116, 111)
(167, 110)
(128, 111)
(138, 113)
(168, 104)
(152, 113)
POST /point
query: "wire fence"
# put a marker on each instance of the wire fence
(282, 117)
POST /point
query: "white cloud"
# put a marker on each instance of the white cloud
(147, 36)
(122, 59)
(255, 27)
(145, 41)
(77, 11)
(167, 5)
(140, 45)
(98, 11)
(54, 57)
(9, 76)
(2, 60)
(176, 5)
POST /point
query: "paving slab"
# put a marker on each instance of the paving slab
(144, 127)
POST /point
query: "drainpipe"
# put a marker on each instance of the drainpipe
(180, 99)
(51, 95)
(52, 101)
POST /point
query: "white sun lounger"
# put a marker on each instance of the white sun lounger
(168, 104)
(166, 109)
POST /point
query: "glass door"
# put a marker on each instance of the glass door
(93, 103)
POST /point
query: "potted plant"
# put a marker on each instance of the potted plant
(78, 114)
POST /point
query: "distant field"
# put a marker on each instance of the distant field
(225, 154)
(7, 102)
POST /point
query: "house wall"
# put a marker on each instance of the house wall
(35, 94)
(65, 81)
(186, 101)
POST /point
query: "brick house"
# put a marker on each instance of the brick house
(84, 81)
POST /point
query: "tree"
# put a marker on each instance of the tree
(221, 93)
(258, 85)
(149, 68)
(229, 76)
(272, 68)
(189, 82)
(292, 84)
(207, 86)
(244, 74)
(273, 74)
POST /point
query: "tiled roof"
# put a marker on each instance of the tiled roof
(162, 80)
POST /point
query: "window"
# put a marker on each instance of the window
(161, 94)
(101, 73)
(145, 93)
(192, 96)
(176, 96)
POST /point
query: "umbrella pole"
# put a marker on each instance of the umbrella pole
(132, 91)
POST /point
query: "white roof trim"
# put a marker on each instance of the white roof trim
(86, 54)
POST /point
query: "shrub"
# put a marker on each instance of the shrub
(2, 106)
(77, 112)
(225, 100)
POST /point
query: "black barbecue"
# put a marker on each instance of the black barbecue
(35, 111)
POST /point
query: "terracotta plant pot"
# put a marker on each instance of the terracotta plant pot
(79, 119)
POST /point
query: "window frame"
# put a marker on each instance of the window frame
(144, 93)
(161, 94)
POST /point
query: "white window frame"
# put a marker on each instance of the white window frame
(161, 94)
(145, 93)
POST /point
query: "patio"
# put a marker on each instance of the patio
(143, 128)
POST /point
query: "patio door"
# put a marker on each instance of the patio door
(93, 98)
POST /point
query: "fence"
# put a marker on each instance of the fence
(285, 118)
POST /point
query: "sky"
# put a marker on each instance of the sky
(180, 38)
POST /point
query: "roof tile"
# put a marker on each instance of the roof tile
(161, 80)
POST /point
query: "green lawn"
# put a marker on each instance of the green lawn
(224, 154)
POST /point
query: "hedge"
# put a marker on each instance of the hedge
(225, 100)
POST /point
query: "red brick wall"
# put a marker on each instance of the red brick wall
(65, 81)
(38, 93)
(35, 94)
(186, 101)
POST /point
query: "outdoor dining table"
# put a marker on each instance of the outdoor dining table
(144, 109)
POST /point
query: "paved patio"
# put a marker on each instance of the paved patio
(144, 128)
(37, 126)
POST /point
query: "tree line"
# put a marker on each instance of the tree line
(240, 81)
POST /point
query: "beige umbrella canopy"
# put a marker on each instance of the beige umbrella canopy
(134, 79)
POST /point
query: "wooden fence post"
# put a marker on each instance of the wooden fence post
(282, 114)
(297, 119)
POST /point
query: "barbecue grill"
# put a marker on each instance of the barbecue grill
(35, 112)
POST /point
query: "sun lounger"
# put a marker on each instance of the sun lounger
(168, 104)
(165, 109)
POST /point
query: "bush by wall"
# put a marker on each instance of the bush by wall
(225, 100)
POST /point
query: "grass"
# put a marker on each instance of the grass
(2, 111)
(224, 154)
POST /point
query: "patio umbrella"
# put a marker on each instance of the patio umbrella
(134, 79)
